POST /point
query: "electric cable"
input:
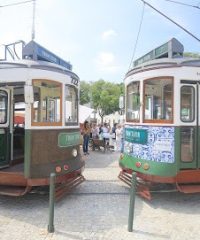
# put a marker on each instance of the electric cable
(136, 42)
(184, 4)
(171, 20)
(17, 3)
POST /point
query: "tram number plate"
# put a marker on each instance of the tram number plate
(136, 135)
(74, 81)
(68, 139)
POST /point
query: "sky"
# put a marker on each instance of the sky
(98, 37)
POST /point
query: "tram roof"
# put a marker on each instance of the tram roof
(42, 65)
(165, 63)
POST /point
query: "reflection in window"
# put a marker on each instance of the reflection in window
(133, 102)
(158, 99)
(47, 101)
(3, 106)
(187, 103)
(71, 105)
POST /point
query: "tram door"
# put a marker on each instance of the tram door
(5, 124)
(190, 124)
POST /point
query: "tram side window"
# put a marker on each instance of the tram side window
(3, 106)
(187, 103)
(158, 99)
(133, 102)
(47, 102)
(71, 105)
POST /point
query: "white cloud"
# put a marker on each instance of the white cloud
(106, 61)
(108, 34)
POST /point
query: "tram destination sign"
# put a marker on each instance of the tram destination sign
(135, 135)
(68, 139)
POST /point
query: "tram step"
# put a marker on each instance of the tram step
(188, 176)
(188, 188)
(65, 188)
(14, 191)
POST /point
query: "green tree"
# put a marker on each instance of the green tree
(105, 97)
(85, 92)
(192, 55)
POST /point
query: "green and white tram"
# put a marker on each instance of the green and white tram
(162, 129)
(39, 125)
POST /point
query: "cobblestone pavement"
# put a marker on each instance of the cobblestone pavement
(98, 210)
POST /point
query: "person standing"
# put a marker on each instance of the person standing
(86, 136)
(119, 134)
(95, 131)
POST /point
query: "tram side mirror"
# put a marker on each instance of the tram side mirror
(28, 89)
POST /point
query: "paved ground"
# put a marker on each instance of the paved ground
(98, 210)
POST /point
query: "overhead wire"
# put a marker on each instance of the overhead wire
(138, 34)
(184, 4)
(177, 24)
(17, 3)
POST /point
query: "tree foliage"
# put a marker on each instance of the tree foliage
(85, 92)
(192, 55)
(104, 96)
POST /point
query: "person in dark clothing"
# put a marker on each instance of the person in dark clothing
(86, 136)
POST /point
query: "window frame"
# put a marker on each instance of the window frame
(127, 119)
(193, 107)
(166, 121)
(61, 103)
(6, 108)
(77, 104)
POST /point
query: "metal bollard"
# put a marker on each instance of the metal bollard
(51, 203)
(132, 202)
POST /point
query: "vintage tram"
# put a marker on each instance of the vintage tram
(39, 123)
(162, 128)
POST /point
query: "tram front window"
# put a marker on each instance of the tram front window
(71, 105)
(3, 106)
(158, 104)
(133, 102)
(47, 102)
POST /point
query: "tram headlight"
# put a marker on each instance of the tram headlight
(74, 152)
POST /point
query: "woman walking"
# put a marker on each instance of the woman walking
(86, 137)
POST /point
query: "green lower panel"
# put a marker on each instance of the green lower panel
(155, 168)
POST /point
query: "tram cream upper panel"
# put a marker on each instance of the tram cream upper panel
(26, 73)
(177, 72)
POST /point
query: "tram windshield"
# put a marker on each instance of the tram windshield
(47, 102)
(3, 106)
(158, 99)
(71, 105)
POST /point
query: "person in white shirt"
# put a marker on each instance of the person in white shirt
(119, 133)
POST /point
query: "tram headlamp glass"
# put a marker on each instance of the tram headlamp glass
(74, 152)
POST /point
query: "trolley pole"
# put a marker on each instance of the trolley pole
(51, 203)
(132, 202)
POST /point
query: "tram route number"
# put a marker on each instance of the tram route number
(74, 81)
(68, 139)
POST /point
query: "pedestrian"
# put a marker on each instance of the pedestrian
(119, 135)
(86, 136)
(105, 133)
(95, 131)
(112, 141)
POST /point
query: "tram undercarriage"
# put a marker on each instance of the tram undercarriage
(186, 181)
(13, 182)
